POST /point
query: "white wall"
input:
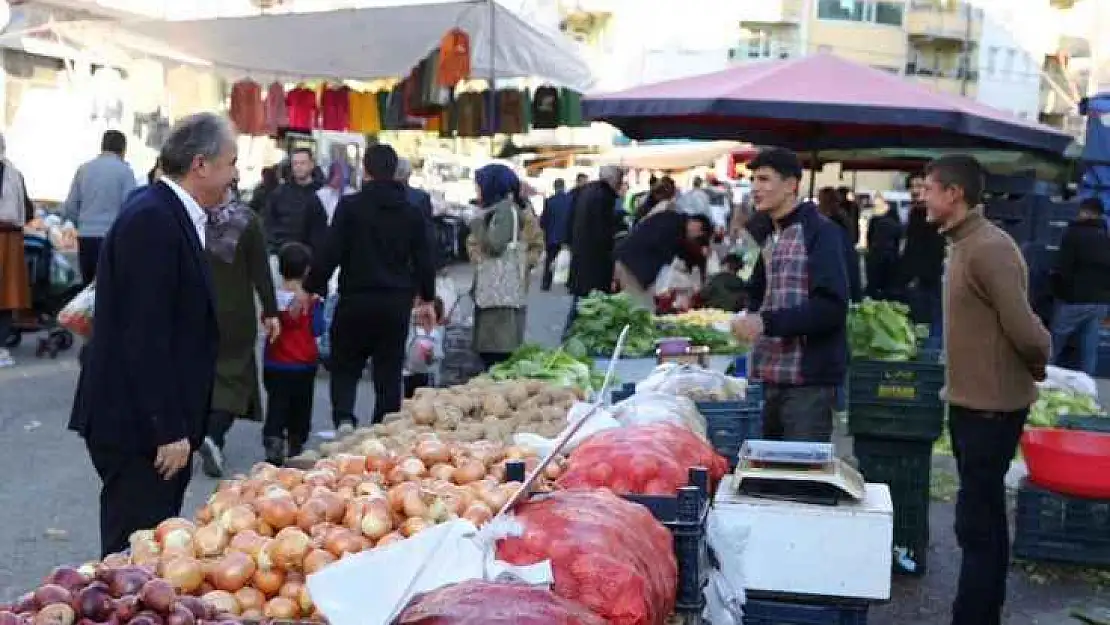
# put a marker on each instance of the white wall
(1011, 52)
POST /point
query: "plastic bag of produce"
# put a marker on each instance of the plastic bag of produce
(697, 383)
(561, 270)
(1068, 380)
(478, 602)
(651, 459)
(652, 407)
(77, 315)
(609, 554)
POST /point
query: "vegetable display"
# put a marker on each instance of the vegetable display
(558, 366)
(256, 539)
(103, 595)
(1052, 403)
(716, 340)
(601, 318)
(880, 330)
(705, 317)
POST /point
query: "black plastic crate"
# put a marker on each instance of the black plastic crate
(728, 423)
(1054, 527)
(1085, 423)
(1051, 220)
(905, 467)
(780, 612)
(899, 400)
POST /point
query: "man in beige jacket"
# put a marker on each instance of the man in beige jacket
(996, 350)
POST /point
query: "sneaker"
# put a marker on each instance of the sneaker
(275, 450)
(211, 458)
(6, 359)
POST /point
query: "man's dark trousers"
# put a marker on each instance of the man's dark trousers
(983, 444)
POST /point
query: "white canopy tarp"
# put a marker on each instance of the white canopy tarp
(670, 156)
(382, 41)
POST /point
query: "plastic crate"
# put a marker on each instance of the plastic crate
(728, 423)
(1085, 423)
(1054, 527)
(899, 400)
(1051, 220)
(1013, 216)
(685, 515)
(906, 467)
(780, 612)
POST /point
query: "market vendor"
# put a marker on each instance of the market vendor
(799, 304)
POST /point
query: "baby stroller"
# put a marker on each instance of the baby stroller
(53, 283)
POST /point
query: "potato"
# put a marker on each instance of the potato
(470, 432)
(516, 395)
(424, 393)
(553, 414)
(448, 416)
(494, 405)
(423, 412)
(535, 387)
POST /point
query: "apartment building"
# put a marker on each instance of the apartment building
(989, 50)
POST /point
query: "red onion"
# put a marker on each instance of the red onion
(50, 594)
(67, 577)
(158, 595)
(94, 602)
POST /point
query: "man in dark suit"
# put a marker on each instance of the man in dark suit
(147, 375)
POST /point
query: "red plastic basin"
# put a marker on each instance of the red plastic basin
(1070, 462)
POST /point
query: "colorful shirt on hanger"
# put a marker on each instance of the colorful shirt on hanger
(545, 108)
(335, 105)
(365, 115)
(247, 111)
(470, 114)
(277, 116)
(301, 105)
(510, 112)
(454, 58)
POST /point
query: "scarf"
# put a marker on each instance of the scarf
(225, 228)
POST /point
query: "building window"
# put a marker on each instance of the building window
(887, 12)
(1008, 65)
(992, 60)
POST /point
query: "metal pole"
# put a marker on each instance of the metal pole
(965, 64)
(492, 71)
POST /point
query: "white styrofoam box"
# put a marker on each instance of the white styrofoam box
(833, 551)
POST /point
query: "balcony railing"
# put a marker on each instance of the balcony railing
(955, 21)
(917, 69)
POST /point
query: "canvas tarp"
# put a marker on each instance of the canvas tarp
(381, 41)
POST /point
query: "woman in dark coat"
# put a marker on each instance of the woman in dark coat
(240, 268)
(828, 202)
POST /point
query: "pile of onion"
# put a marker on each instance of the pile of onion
(250, 547)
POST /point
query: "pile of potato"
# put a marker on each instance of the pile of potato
(481, 409)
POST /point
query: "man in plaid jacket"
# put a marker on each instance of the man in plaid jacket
(799, 299)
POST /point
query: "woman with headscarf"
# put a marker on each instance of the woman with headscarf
(16, 210)
(499, 331)
(237, 258)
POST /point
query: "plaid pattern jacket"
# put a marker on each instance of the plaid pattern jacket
(778, 360)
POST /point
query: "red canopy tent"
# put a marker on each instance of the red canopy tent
(814, 103)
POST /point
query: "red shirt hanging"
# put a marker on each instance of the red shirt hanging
(335, 107)
(276, 114)
(300, 103)
(247, 111)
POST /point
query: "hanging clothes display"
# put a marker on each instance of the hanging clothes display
(453, 62)
(300, 103)
(510, 111)
(152, 128)
(570, 108)
(365, 114)
(277, 115)
(108, 92)
(247, 111)
(192, 91)
(470, 114)
(545, 108)
(335, 108)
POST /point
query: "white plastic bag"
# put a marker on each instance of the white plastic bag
(727, 535)
(1068, 380)
(448, 553)
(720, 603)
(561, 267)
(601, 420)
(77, 315)
(652, 407)
(697, 383)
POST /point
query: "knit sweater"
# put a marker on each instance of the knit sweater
(995, 344)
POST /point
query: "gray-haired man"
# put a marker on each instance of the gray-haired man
(143, 395)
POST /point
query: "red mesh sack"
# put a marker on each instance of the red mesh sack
(477, 602)
(649, 459)
(608, 554)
